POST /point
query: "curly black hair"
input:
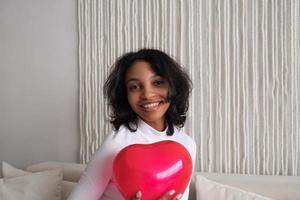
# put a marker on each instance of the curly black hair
(163, 65)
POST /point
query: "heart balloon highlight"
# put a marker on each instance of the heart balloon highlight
(154, 169)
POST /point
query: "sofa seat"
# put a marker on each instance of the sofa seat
(273, 187)
(204, 186)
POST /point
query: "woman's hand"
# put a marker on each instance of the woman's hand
(170, 193)
(138, 196)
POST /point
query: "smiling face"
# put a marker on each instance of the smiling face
(147, 94)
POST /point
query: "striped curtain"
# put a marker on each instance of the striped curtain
(243, 58)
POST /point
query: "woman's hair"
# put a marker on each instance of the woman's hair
(163, 65)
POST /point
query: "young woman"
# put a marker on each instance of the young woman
(148, 92)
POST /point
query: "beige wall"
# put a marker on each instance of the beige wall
(38, 81)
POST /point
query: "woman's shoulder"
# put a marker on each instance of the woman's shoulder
(114, 141)
(186, 140)
(118, 135)
(184, 137)
(122, 137)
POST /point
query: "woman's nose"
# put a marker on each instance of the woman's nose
(147, 92)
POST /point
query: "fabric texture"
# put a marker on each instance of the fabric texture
(67, 188)
(71, 171)
(71, 174)
(9, 171)
(18, 184)
(210, 190)
(277, 187)
(96, 182)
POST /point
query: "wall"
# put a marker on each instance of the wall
(38, 81)
(243, 59)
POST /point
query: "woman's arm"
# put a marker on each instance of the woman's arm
(98, 173)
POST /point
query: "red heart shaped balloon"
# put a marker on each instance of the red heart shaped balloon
(154, 169)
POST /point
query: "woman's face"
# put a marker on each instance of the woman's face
(147, 94)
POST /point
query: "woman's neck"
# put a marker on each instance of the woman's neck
(158, 125)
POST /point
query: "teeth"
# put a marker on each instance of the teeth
(150, 105)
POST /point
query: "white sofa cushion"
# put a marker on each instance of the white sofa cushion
(275, 187)
(211, 190)
(9, 171)
(71, 171)
(67, 186)
(45, 185)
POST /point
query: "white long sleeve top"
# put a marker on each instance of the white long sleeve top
(97, 183)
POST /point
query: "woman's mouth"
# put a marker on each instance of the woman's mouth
(151, 106)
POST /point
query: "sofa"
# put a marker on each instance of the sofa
(204, 186)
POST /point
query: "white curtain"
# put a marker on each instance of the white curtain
(243, 58)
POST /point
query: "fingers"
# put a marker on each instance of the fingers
(170, 193)
(137, 196)
(167, 195)
(178, 196)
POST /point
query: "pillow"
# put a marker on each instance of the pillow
(71, 171)
(67, 187)
(210, 190)
(10, 171)
(18, 184)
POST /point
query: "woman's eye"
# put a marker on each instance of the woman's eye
(133, 87)
(159, 82)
